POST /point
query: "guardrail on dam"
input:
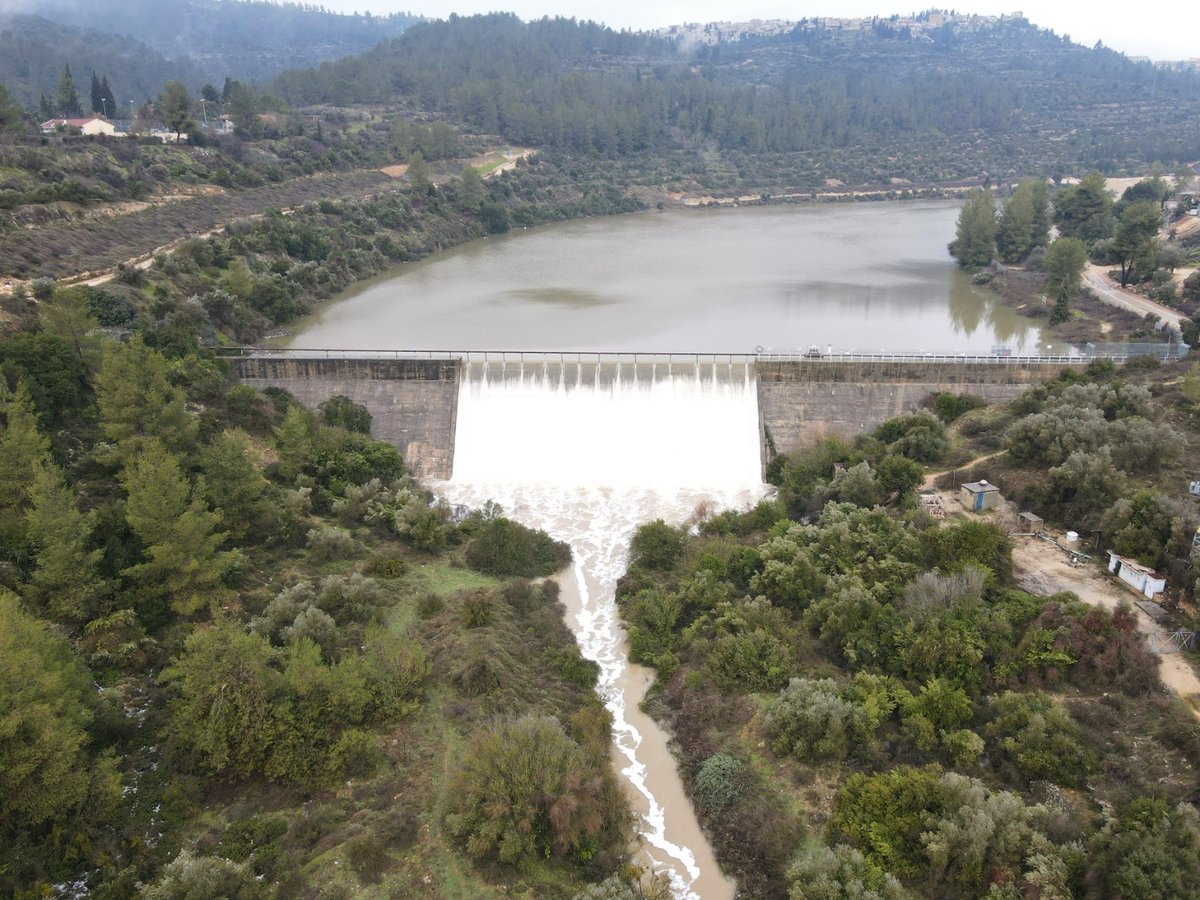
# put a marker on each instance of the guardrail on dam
(413, 395)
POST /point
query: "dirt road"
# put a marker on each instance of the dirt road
(1042, 568)
(1097, 279)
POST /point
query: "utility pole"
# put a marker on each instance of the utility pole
(104, 107)
(204, 112)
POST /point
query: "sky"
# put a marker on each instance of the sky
(1160, 29)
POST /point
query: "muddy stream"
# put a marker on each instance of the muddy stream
(588, 456)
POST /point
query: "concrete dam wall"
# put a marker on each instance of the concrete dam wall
(413, 402)
(801, 401)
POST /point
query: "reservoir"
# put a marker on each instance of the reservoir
(862, 276)
(589, 453)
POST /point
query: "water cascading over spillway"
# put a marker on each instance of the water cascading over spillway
(589, 451)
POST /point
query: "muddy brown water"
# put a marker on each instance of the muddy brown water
(863, 276)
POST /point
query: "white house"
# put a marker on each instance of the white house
(94, 125)
(1141, 578)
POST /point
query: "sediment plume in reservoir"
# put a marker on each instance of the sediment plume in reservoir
(587, 452)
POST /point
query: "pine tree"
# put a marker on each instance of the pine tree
(974, 244)
(97, 94)
(1024, 223)
(184, 564)
(67, 96)
(138, 403)
(233, 483)
(23, 449)
(294, 440)
(45, 108)
(68, 315)
(66, 583)
(46, 774)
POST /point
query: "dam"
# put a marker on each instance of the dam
(588, 446)
(413, 396)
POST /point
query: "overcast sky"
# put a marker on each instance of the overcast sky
(1161, 29)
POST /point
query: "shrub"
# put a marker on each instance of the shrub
(189, 876)
(656, 545)
(525, 791)
(719, 783)
(343, 412)
(1036, 736)
(327, 544)
(920, 436)
(840, 873)
(508, 549)
(811, 719)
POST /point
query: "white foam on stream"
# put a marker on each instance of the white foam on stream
(589, 461)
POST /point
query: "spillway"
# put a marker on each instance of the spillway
(589, 451)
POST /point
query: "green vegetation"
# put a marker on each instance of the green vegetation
(865, 702)
(238, 645)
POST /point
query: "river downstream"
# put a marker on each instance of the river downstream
(589, 462)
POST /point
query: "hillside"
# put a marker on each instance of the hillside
(951, 102)
(209, 39)
(34, 50)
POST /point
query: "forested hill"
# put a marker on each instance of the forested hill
(33, 52)
(589, 89)
(236, 38)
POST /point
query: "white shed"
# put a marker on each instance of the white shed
(1141, 578)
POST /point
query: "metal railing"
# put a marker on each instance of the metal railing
(1075, 356)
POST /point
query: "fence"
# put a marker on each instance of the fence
(1001, 356)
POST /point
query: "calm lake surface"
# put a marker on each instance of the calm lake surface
(863, 276)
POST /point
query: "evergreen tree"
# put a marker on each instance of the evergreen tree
(137, 402)
(232, 482)
(107, 94)
(46, 774)
(68, 316)
(46, 110)
(1137, 238)
(1084, 210)
(67, 97)
(294, 439)
(11, 113)
(23, 449)
(974, 244)
(97, 94)
(175, 107)
(66, 583)
(1065, 260)
(1024, 223)
(184, 565)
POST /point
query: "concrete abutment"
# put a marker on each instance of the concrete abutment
(413, 402)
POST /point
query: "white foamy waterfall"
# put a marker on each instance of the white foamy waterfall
(588, 452)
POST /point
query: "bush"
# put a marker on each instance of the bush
(719, 783)
(329, 544)
(1036, 736)
(840, 873)
(812, 720)
(189, 877)
(525, 791)
(508, 549)
(343, 412)
(948, 407)
(920, 436)
(656, 545)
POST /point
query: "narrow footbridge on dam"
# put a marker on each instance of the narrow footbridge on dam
(413, 395)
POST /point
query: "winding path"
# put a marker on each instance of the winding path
(1097, 279)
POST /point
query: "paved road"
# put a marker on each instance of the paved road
(1114, 296)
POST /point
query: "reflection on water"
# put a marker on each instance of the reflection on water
(588, 455)
(854, 276)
